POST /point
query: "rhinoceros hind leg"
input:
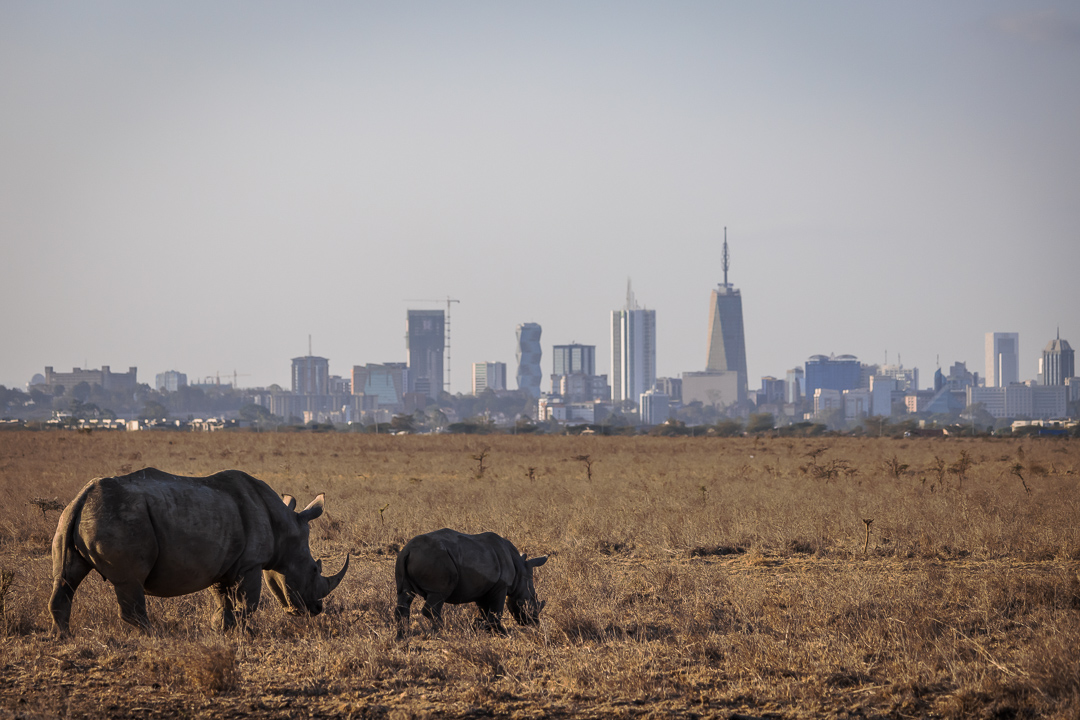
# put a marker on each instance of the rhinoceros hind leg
(433, 605)
(401, 612)
(74, 572)
(132, 602)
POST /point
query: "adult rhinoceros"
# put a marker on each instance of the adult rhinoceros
(446, 566)
(153, 533)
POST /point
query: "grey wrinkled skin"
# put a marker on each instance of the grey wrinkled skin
(446, 566)
(153, 533)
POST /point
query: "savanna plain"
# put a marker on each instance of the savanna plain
(688, 577)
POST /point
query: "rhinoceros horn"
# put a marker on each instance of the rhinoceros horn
(334, 580)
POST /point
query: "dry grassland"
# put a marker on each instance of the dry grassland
(694, 577)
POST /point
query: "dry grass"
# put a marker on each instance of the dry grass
(689, 576)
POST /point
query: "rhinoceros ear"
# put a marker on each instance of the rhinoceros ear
(313, 510)
(290, 501)
(536, 561)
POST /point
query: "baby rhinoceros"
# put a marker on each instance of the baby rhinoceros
(446, 566)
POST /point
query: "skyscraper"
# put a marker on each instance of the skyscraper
(574, 359)
(837, 373)
(488, 376)
(795, 386)
(1002, 359)
(385, 383)
(1058, 362)
(528, 358)
(727, 343)
(310, 375)
(574, 374)
(425, 340)
(633, 350)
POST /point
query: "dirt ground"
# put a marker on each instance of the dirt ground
(115, 672)
(686, 579)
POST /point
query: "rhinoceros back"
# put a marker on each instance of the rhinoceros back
(462, 567)
(173, 535)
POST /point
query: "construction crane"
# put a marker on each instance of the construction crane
(217, 378)
(446, 326)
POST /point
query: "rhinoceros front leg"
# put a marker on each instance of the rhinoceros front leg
(132, 601)
(244, 593)
(491, 609)
(225, 612)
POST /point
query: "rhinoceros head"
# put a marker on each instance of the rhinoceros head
(297, 580)
(523, 603)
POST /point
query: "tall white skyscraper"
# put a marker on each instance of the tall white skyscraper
(633, 350)
(1002, 359)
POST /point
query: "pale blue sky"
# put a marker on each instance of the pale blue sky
(199, 186)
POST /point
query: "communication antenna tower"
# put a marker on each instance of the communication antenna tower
(725, 258)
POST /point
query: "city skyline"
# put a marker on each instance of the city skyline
(179, 179)
(991, 339)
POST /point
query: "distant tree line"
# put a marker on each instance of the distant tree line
(476, 415)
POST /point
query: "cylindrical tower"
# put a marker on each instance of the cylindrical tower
(528, 358)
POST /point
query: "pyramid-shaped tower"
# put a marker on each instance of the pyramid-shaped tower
(727, 343)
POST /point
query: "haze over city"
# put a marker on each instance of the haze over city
(201, 187)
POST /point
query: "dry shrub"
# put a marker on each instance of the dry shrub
(1052, 675)
(478, 654)
(801, 545)
(7, 578)
(211, 669)
(382, 661)
(703, 551)
(576, 626)
(19, 614)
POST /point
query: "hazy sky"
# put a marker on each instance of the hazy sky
(201, 185)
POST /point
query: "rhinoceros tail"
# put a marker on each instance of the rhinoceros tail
(401, 573)
(69, 566)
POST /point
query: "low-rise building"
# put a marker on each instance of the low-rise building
(488, 376)
(1018, 400)
(104, 378)
(882, 391)
(857, 404)
(826, 399)
(170, 381)
(554, 408)
(655, 407)
(384, 385)
(907, 379)
(672, 387)
(717, 388)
